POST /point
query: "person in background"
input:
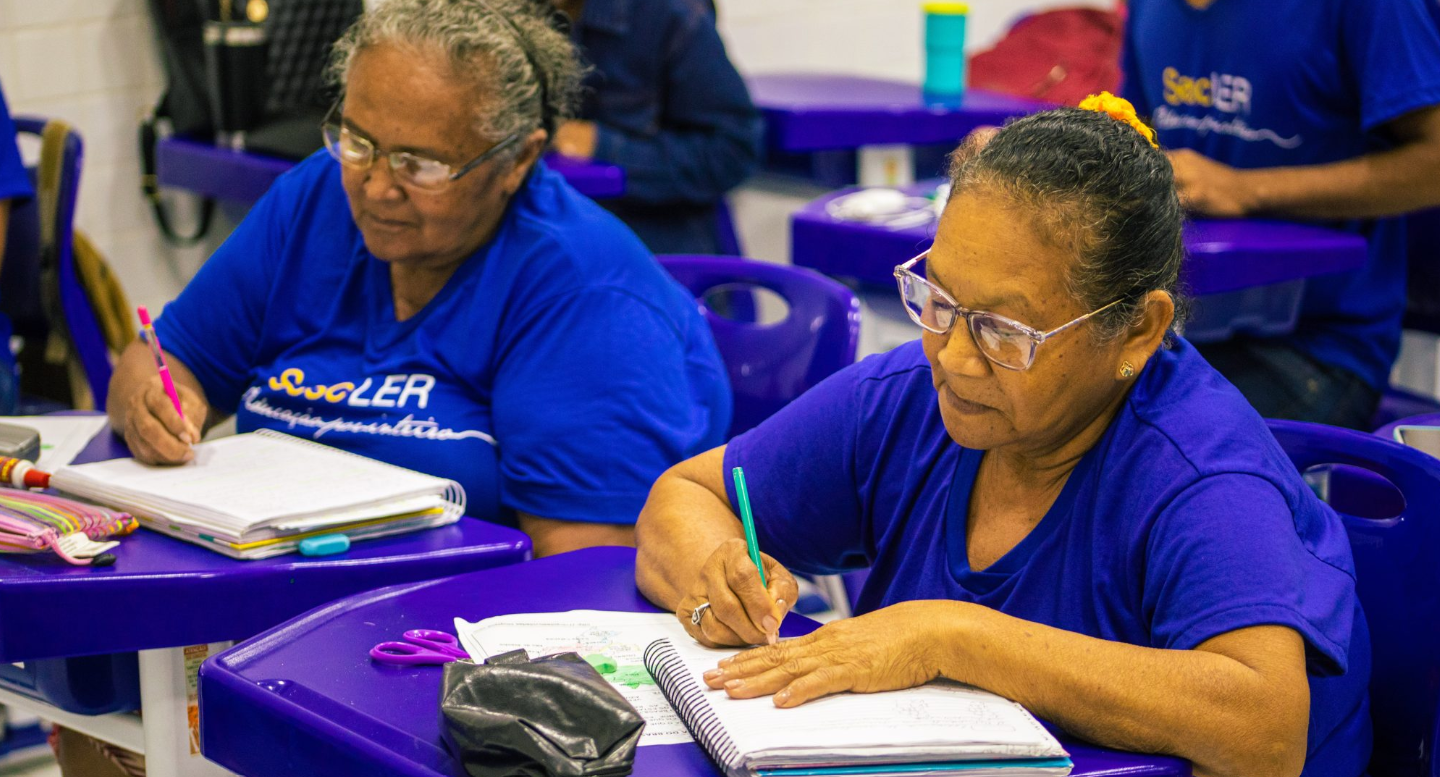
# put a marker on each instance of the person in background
(427, 292)
(1322, 110)
(663, 102)
(1041, 513)
(15, 186)
(14, 180)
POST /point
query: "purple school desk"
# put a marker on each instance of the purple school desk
(1232, 258)
(162, 595)
(305, 698)
(880, 119)
(817, 112)
(211, 171)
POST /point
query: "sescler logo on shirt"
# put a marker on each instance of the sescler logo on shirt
(393, 390)
(1224, 93)
(401, 391)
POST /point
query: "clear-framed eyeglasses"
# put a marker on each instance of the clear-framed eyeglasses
(358, 152)
(1004, 341)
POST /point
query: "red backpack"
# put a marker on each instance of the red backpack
(1058, 56)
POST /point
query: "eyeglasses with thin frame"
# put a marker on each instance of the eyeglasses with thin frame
(358, 152)
(1004, 341)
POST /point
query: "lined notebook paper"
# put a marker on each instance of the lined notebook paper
(950, 727)
(255, 495)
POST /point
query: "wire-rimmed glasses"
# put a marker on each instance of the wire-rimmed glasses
(1004, 341)
(358, 152)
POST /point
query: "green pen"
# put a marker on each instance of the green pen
(748, 519)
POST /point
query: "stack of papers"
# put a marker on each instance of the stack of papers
(257, 495)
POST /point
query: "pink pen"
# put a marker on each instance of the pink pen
(160, 366)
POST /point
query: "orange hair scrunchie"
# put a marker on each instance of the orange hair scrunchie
(1119, 109)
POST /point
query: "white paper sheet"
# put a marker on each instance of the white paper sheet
(621, 636)
(62, 437)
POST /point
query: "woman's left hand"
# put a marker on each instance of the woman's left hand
(885, 650)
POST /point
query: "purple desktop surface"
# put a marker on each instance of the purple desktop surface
(817, 112)
(305, 698)
(162, 592)
(1222, 255)
(244, 176)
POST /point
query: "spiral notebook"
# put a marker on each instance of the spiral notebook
(938, 728)
(259, 494)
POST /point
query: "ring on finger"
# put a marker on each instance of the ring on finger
(698, 613)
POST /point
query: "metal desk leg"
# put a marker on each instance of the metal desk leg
(172, 746)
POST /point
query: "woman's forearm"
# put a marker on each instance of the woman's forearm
(686, 517)
(1244, 711)
(1387, 183)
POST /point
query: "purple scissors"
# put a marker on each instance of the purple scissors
(421, 646)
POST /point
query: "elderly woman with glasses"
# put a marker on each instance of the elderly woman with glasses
(428, 293)
(1057, 498)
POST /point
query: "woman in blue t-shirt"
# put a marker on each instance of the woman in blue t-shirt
(1076, 511)
(428, 293)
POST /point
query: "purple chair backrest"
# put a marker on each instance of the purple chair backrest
(83, 328)
(1397, 563)
(772, 363)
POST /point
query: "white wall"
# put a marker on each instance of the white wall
(94, 64)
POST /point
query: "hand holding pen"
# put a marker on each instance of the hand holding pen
(162, 419)
(741, 595)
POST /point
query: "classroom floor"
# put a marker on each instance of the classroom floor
(40, 764)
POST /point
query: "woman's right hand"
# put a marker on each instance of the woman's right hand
(157, 434)
(741, 611)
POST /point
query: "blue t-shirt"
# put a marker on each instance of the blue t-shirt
(558, 372)
(14, 180)
(1167, 533)
(1297, 82)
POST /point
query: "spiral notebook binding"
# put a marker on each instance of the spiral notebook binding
(688, 699)
(454, 494)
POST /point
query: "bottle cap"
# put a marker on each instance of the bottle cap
(952, 9)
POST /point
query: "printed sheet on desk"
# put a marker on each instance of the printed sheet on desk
(620, 637)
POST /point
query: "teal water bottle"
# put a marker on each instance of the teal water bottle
(945, 48)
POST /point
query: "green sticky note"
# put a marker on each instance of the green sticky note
(602, 663)
(633, 676)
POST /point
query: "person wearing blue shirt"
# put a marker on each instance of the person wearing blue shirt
(1066, 511)
(664, 102)
(1322, 110)
(427, 293)
(14, 180)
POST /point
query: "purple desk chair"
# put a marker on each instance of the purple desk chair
(1395, 562)
(23, 283)
(772, 363)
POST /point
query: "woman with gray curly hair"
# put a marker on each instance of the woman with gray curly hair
(426, 292)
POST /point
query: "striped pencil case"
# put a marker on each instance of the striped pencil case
(33, 522)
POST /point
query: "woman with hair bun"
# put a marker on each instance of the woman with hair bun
(1057, 498)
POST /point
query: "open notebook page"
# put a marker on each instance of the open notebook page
(935, 722)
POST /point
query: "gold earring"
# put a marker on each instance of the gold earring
(1127, 370)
